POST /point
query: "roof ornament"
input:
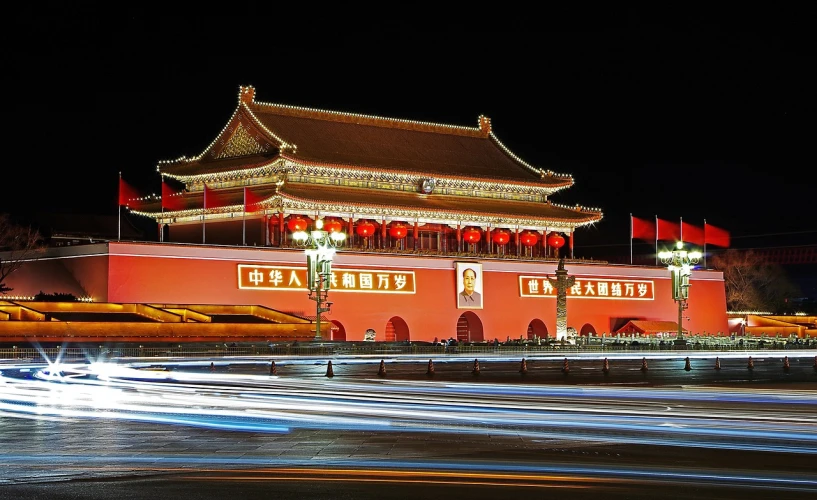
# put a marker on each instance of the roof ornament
(484, 125)
(246, 95)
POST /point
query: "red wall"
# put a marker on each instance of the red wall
(195, 274)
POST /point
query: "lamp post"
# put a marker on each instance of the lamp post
(680, 263)
(320, 250)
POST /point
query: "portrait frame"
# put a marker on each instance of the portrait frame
(462, 302)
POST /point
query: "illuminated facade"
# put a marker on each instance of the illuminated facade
(415, 199)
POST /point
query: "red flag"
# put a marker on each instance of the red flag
(668, 231)
(213, 199)
(251, 200)
(127, 194)
(716, 236)
(642, 229)
(172, 199)
(692, 234)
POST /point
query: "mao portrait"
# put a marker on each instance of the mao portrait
(469, 285)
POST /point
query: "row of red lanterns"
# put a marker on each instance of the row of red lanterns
(527, 238)
(400, 231)
(364, 228)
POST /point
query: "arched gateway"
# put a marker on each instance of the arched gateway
(338, 331)
(469, 328)
(537, 329)
(587, 330)
(397, 330)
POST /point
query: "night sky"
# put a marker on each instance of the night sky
(693, 115)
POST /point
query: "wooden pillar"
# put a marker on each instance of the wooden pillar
(351, 231)
(488, 239)
(570, 235)
(416, 232)
(383, 233)
(459, 238)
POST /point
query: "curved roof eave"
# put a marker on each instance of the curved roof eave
(244, 109)
(301, 204)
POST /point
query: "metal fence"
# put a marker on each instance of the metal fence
(324, 349)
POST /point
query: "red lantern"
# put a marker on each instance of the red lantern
(528, 238)
(501, 237)
(333, 226)
(471, 235)
(398, 231)
(365, 228)
(296, 223)
(556, 240)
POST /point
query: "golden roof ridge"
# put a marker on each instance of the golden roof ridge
(483, 128)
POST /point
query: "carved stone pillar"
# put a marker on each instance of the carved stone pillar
(561, 283)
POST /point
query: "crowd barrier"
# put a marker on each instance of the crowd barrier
(317, 348)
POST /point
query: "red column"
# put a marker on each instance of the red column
(416, 232)
(516, 241)
(545, 242)
(281, 229)
(459, 238)
(383, 233)
(570, 236)
(351, 232)
(488, 239)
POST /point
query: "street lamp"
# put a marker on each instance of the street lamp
(321, 245)
(680, 263)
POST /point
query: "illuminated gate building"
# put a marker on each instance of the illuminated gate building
(427, 209)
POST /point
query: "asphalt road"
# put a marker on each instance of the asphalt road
(188, 429)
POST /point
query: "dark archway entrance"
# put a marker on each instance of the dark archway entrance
(587, 330)
(537, 328)
(338, 331)
(469, 328)
(397, 330)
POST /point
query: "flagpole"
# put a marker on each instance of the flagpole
(162, 203)
(705, 244)
(631, 238)
(682, 229)
(203, 221)
(119, 210)
(656, 239)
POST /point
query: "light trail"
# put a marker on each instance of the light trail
(751, 420)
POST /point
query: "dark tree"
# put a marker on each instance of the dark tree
(752, 284)
(18, 245)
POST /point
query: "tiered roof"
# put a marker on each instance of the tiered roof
(307, 159)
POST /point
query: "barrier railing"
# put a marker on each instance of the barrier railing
(91, 354)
